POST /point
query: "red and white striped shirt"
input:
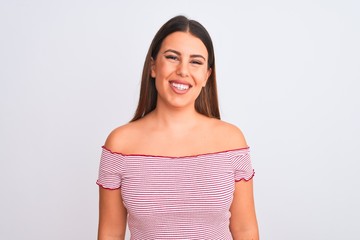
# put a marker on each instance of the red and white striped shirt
(176, 197)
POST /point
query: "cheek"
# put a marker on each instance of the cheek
(201, 76)
(163, 67)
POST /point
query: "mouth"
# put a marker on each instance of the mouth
(180, 86)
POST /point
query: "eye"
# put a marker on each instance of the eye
(172, 57)
(196, 62)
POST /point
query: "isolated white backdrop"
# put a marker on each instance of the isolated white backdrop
(288, 75)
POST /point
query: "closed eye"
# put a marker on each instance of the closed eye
(171, 57)
(197, 62)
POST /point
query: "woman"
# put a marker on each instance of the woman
(176, 170)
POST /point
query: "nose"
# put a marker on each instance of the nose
(182, 69)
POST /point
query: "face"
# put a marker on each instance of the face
(180, 70)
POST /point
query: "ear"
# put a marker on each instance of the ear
(153, 73)
(208, 73)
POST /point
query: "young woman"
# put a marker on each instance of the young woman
(176, 171)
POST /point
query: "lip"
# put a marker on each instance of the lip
(177, 90)
(180, 82)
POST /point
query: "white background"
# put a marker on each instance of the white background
(288, 75)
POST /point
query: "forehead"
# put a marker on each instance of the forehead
(185, 43)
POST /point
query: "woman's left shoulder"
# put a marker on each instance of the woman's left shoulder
(229, 134)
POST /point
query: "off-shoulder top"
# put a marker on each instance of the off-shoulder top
(185, 197)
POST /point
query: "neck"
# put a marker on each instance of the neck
(176, 118)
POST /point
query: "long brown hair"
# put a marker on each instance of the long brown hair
(207, 101)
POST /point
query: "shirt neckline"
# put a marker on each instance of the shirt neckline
(184, 156)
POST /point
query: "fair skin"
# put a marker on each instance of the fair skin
(180, 71)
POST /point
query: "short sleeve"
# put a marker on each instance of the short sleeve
(243, 169)
(110, 169)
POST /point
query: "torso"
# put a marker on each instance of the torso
(178, 178)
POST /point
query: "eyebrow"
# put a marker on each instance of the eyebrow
(178, 53)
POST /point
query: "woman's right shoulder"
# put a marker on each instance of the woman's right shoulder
(119, 138)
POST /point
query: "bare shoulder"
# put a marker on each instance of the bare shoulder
(120, 137)
(229, 135)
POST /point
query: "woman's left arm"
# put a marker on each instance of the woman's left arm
(243, 223)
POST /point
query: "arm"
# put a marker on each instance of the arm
(243, 223)
(112, 215)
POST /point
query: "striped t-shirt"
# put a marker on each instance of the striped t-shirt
(176, 197)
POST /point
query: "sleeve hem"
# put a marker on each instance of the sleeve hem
(246, 179)
(107, 188)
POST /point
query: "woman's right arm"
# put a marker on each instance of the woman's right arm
(112, 215)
